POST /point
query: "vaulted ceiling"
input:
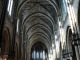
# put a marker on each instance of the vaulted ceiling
(38, 19)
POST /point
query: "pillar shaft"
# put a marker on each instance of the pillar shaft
(77, 53)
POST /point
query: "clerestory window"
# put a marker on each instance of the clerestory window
(9, 9)
(64, 7)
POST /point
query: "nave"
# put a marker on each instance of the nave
(39, 29)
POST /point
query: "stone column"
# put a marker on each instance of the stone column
(75, 39)
(28, 51)
(70, 58)
(77, 53)
(21, 45)
(0, 53)
(79, 50)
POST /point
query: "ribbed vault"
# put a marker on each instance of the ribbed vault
(38, 19)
